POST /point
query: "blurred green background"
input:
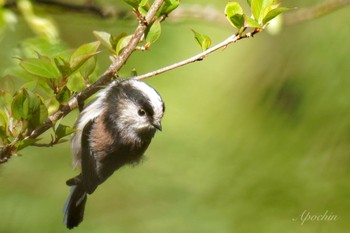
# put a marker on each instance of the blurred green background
(253, 136)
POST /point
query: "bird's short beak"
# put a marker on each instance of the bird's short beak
(157, 125)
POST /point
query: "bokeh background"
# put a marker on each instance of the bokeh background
(253, 136)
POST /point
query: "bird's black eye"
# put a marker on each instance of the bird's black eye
(141, 112)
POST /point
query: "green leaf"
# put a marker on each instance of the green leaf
(203, 40)
(63, 130)
(32, 103)
(82, 54)
(115, 39)
(63, 66)
(3, 118)
(53, 105)
(234, 14)
(8, 82)
(89, 67)
(144, 2)
(237, 20)
(258, 8)
(5, 100)
(104, 37)
(133, 72)
(38, 117)
(40, 68)
(25, 143)
(249, 2)
(17, 107)
(122, 43)
(233, 8)
(249, 22)
(168, 6)
(24, 105)
(144, 7)
(3, 125)
(44, 87)
(153, 33)
(133, 3)
(64, 95)
(28, 106)
(93, 78)
(42, 57)
(32, 85)
(274, 13)
(76, 83)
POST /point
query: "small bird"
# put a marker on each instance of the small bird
(114, 130)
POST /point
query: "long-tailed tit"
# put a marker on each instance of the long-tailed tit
(112, 131)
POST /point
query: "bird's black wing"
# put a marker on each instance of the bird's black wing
(90, 179)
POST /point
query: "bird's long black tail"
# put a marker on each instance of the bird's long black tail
(74, 207)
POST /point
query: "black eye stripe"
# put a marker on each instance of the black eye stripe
(125, 90)
(145, 105)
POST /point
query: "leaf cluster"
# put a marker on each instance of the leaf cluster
(116, 43)
(142, 6)
(54, 80)
(262, 12)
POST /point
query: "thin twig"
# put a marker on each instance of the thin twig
(211, 14)
(198, 57)
(50, 144)
(90, 8)
(306, 14)
(189, 11)
(112, 71)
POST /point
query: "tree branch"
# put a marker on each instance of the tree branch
(314, 12)
(200, 56)
(211, 14)
(186, 11)
(88, 8)
(7, 151)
